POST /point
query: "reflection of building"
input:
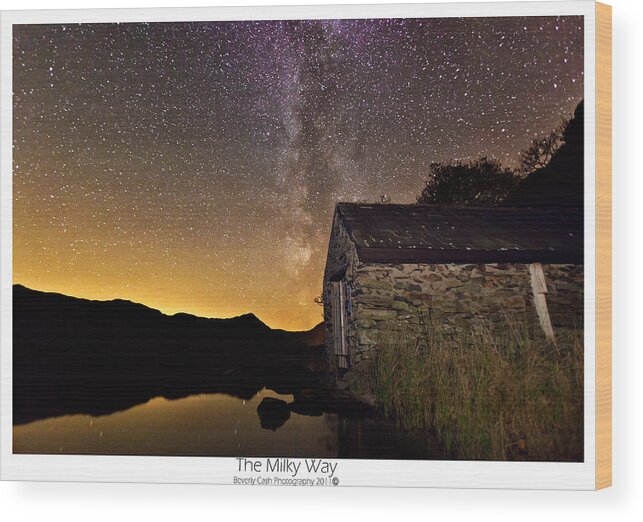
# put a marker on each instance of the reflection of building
(389, 265)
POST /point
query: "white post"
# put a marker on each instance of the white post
(539, 288)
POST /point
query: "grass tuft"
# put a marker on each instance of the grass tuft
(486, 395)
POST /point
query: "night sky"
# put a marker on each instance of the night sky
(195, 166)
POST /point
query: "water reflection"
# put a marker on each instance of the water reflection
(268, 424)
(200, 425)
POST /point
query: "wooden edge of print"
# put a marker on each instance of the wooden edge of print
(603, 245)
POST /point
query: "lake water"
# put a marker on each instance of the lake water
(218, 424)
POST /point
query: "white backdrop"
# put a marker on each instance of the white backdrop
(81, 501)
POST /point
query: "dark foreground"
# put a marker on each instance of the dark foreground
(120, 378)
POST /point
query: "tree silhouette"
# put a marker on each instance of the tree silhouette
(482, 182)
(561, 181)
(541, 150)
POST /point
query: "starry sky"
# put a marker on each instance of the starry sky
(195, 166)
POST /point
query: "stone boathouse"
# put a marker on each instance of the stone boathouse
(463, 265)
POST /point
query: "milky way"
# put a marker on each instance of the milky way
(195, 166)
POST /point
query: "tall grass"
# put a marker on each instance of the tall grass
(493, 395)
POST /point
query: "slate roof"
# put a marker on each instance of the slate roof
(388, 233)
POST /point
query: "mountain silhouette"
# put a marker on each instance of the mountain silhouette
(74, 355)
(125, 313)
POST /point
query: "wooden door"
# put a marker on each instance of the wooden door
(339, 305)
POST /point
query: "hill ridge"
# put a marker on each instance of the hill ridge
(248, 317)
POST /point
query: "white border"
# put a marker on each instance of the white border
(216, 470)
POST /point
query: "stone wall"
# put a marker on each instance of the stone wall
(457, 297)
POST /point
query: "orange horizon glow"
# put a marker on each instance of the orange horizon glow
(195, 166)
